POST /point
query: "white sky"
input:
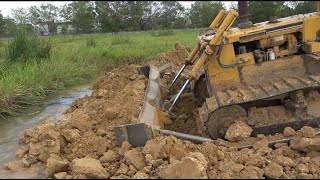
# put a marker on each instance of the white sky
(6, 6)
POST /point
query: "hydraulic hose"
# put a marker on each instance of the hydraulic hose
(219, 60)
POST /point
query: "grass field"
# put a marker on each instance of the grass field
(76, 60)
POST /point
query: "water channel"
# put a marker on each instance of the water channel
(11, 128)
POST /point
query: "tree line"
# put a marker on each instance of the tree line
(116, 16)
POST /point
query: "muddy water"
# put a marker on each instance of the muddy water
(11, 128)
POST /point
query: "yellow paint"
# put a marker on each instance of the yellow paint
(224, 78)
(260, 30)
(267, 35)
(274, 41)
(312, 47)
(217, 21)
(292, 42)
(311, 26)
(192, 55)
(248, 57)
(195, 72)
(232, 15)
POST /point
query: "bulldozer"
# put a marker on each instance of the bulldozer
(266, 74)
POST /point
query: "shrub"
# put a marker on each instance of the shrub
(26, 46)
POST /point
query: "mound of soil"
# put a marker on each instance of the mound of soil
(82, 145)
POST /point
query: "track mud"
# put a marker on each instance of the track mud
(82, 145)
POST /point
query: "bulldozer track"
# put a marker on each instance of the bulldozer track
(251, 93)
(248, 96)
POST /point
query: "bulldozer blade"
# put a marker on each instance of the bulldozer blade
(135, 134)
(150, 115)
(138, 134)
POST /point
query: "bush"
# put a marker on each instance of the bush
(26, 46)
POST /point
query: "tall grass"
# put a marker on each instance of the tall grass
(72, 63)
(91, 42)
(120, 39)
(26, 46)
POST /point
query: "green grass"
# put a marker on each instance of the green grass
(26, 46)
(72, 63)
(163, 33)
(91, 42)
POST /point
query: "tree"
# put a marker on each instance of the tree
(284, 10)
(167, 14)
(148, 15)
(64, 30)
(202, 13)
(8, 27)
(123, 15)
(2, 23)
(261, 10)
(46, 12)
(109, 15)
(135, 11)
(82, 15)
(34, 14)
(20, 15)
(66, 12)
(302, 7)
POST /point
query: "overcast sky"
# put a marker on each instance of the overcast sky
(6, 6)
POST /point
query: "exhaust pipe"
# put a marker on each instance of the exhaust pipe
(244, 14)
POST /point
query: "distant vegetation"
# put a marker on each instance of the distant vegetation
(118, 16)
(73, 60)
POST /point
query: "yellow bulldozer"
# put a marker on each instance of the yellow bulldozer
(265, 74)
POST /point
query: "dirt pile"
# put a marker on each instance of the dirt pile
(83, 144)
(86, 131)
(175, 57)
